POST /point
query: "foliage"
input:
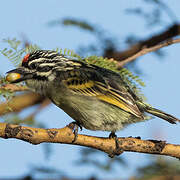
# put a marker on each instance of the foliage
(73, 22)
(159, 167)
(14, 52)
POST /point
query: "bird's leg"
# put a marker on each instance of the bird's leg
(75, 126)
(118, 150)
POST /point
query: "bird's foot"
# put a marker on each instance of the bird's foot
(75, 127)
(118, 150)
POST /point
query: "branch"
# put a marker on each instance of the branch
(66, 136)
(146, 50)
(171, 32)
(13, 87)
(20, 102)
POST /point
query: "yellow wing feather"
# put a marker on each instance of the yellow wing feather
(115, 102)
(103, 93)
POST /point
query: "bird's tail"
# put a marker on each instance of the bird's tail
(156, 112)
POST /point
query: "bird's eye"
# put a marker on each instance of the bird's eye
(44, 68)
(32, 66)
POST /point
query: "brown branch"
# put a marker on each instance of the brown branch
(171, 32)
(20, 102)
(66, 136)
(14, 87)
(146, 50)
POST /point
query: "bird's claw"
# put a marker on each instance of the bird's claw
(75, 127)
(118, 150)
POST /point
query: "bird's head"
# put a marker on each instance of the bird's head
(38, 65)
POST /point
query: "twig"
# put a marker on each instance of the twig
(13, 87)
(66, 136)
(20, 102)
(146, 50)
(169, 33)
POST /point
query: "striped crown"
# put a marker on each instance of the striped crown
(44, 63)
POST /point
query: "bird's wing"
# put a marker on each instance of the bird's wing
(88, 81)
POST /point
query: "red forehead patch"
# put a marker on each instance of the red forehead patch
(26, 57)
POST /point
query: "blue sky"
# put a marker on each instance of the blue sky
(30, 18)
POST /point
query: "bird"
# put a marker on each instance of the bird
(95, 97)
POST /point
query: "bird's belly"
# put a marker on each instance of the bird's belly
(94, 114)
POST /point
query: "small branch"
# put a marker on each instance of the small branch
(146, 50)
(20, 102)
(169, 33)
(66, 136)
(14, 87)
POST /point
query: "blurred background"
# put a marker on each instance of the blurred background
(113, 29)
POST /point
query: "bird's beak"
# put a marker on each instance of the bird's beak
(18, 75)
